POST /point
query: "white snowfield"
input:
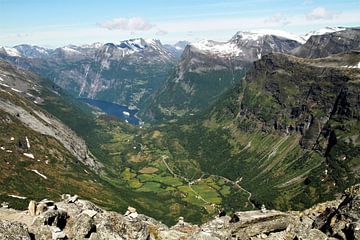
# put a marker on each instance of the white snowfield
(218, 47)
(231, 49)
(94, 45)
(27, 142)
(323, 31)
(29, 155)
(256, 34)
(70, 51)
(13, 52)
(41, 175)
(16, 196)
(353, 66)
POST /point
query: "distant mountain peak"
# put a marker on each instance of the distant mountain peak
(323, 31)
(218, 48)
(138, 44)
(257, 34)
(12, 52)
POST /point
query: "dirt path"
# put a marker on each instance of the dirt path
(236, 184)
(164, 157)
(184, 178)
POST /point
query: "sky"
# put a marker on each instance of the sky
(55, 23)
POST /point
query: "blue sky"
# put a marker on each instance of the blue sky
(55, 23)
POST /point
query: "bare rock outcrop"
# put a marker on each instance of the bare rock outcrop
(11, 230)
(74, 218)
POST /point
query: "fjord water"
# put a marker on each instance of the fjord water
(113, 109)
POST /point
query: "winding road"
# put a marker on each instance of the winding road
(236, 184)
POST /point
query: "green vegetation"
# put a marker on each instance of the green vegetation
(284, 137)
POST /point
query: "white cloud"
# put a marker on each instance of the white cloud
(127, 24)
(220, 29)
(161, 32)
(320, 13)
(278, 19)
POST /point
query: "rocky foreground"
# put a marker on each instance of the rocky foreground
(74, 218)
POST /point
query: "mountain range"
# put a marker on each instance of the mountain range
(264, 118)
(125, 73)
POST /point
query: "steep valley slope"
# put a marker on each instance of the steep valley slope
(126, 73)
(286, 135)
(51, 143)
(207, 69)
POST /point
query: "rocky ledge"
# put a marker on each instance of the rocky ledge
(74, 218)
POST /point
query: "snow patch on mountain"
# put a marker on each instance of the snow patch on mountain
(323, 31)
(257, 34)
(70, 50)
(218, 48)
(13, 52)
(135, 44)
(94, 45)
(32, 51)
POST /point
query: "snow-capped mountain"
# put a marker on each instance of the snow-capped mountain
(134, 50)
(250, 45)
(180, 45)
(217, 48)
(328, 42)
(322, 31)
(258, 34)
(132, 46)
(12, 52)
(207, 69)
(126, 72)
(177, 48)
(33, 51)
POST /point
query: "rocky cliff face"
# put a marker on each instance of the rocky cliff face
(254, 45)
(41, 155)
(208, 69)
(125, 73)
(74, 218)
(294, 117)
(198, 81)
(319, 46)
(297, 95)
(21, 92)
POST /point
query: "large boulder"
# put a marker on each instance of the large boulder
(11, 230)
(343, 221)
(111, 225)
(83, 226)
(56, 218)
(254, 223)
(32, 208)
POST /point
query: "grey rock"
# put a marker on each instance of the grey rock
(73, 199)
(330, 43)
(83, 227)
(41, 208)
(32, 208)
(90, 213)
(84, 220)
(5, 205)
(355, 228)
(56, 218)
(47, 202)
(11, 230)
(115, 226)
(57, 234)
(313, 234)
(43, 232)
(255, 223)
